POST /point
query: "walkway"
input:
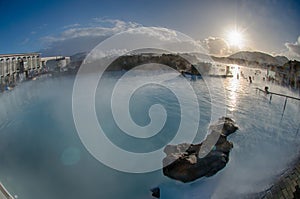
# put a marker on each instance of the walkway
(4, 193)
(287, 186)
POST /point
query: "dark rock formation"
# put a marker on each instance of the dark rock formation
(184, 162)
(127, 62)
(155, 192)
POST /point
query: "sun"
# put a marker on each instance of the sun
(235, 38)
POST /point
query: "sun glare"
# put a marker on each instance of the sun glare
(235, 38)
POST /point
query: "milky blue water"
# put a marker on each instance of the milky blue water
(41, 155)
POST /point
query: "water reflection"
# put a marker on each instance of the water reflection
(232, 85)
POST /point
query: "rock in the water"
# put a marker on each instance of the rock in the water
(156, 192)
(184, 161)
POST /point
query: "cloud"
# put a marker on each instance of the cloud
(71, 26)
(79, 32)
(76, 38)
(97, 53)
(163, 34)
(217, 46)
(294, 48)
(145, 38)
(291, 51)
(104, 27)
(71, 46)
(115, 23)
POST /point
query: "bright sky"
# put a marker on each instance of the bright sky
(271, 26)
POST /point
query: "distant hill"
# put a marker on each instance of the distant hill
(252, 59)
(180, 62)
(259, 57)
(246, 58)
(78, 57)
(282, 59)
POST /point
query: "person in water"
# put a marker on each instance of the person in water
(267, 89)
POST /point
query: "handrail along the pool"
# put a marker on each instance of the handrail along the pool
(278, 94)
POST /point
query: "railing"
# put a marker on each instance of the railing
(285, 101)
(272, 93)
(282, 95)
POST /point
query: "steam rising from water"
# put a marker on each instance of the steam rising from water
(41, 151)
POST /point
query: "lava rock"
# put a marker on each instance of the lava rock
(188, 162)
(155, 192)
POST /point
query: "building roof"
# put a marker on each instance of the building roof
(19, 54)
